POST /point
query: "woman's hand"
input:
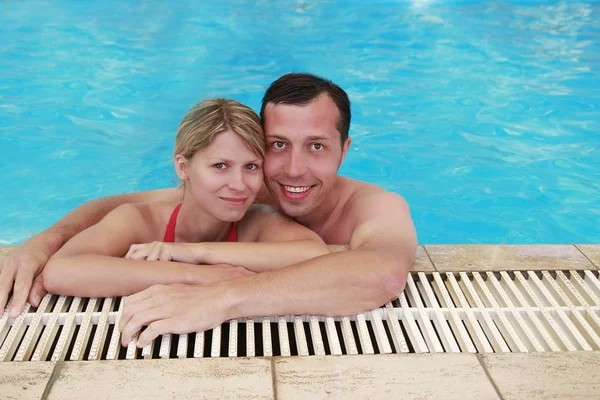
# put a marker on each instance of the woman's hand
(161, 251)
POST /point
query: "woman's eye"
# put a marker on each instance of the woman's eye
(317, 146)
(220, 166)
(278, 145)
(251, 167)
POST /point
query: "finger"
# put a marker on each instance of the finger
(138, 320)
(153, 330)
(139, 254)
(7, 277)
(155, 252)
(138, 302)
(133, 250)
(37, 291)
(23, 282)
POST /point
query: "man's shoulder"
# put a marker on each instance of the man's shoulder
(368, 199)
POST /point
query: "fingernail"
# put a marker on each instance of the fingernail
(36, 299)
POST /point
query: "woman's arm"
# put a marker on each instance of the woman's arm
(89, 265)
(268, 240)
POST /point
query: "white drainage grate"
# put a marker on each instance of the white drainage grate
(452, 312)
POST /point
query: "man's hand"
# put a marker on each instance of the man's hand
(21, 270)
(172, 309)
(161, 251)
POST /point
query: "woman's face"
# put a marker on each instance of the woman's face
(224, 178)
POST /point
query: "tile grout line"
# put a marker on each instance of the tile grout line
(53, 376)
(430, 259)
(273, 378)
(479, 358)
(585, 255)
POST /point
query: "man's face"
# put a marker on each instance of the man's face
(303, 153)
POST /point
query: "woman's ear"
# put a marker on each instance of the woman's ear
(181, 166)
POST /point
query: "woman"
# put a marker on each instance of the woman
(219, 151)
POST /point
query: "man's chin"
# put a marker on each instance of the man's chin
(294, 210)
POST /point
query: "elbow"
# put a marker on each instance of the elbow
(52, 276)
(394, 280)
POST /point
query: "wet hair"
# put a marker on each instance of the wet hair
(301, 89)
(209, 118)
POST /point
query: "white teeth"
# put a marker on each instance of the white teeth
(296, 189)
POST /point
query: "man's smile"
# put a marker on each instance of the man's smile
(295, 192)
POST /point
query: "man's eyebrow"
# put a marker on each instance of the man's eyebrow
(311, 138)
(319, 138)
(270, 135)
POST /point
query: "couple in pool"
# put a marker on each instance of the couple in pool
(193, 257)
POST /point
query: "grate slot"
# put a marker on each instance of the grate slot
(315, 333)
(413, 331)
(541, 289)
(551, 324)
(348, 335)
(35, 329)
(455, 322)
(441, 325)
(471, 323)
(581, 327)
(491, 329)
(266, 337)
(381, 338)
(430, 335)
(511, 288)
(506, 328)
(284, 341)
(525, 328)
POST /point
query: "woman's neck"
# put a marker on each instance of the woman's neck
(195, 224)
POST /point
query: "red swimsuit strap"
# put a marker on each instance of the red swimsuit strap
(170, 232)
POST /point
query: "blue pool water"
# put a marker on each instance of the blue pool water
(485, 116)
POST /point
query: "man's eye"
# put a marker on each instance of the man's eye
(317, 146)
(220, 165)
(278, 145)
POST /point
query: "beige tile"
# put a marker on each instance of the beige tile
(24, 380)
(220, 378)
(6, 250)
(423, 376)
(504, 257)
(592, 251)
(568, 375)
(422, 262)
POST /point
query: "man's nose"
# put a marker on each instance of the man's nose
(296, 164)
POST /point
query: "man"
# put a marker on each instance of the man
(306, 121)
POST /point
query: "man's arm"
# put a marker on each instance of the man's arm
(372, 272)
(22, 269)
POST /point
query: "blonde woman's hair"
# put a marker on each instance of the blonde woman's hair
(209, 118)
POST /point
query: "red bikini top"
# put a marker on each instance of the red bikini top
(170, 232)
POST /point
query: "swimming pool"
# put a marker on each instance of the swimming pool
(485, 117)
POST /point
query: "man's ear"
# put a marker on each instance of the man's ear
(181, 166)
(345, 149)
